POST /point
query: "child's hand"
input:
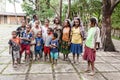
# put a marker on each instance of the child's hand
(94, 49)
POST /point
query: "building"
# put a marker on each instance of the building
(8, 14)
(10, 18)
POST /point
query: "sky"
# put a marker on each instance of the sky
(10, 7)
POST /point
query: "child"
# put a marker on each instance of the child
(38, 46)
(90, 46)
(25, 42)
(15, 47)
(76, 40)
(54, 48)
(47, 40)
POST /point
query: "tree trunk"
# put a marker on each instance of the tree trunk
(108, 44)
(60, 11)
(15, 12)
(37, 5)
(68, 11)
(106, 26)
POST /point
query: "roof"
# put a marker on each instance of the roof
(12, 14)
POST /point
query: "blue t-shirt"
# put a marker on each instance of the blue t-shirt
(39, 44)
(54, 42)
(27, 36)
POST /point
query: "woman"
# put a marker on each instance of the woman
(57, 28)
(65, 46)
(76, 39)
(36, 28)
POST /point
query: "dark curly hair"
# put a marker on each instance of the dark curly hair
(68, 22)
(78, 20)
(57, 19)
(55, 35)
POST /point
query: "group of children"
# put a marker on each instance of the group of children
(36, 40)
(33, 46)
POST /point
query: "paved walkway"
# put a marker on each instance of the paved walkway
(107, 65)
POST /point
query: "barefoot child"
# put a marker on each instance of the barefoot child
(38, 46)
(54, 48)
(76, 40)
(90, 46)
(15, 48)
(47, 40)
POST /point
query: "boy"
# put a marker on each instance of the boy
(25, 42)
(15, 48)
(21, 28)
(47, 40)
(38, 46)
(54, 48)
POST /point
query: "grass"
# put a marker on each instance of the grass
(117, 38)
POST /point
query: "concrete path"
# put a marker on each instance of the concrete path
(107, 65)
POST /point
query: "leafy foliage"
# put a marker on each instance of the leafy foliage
(116, 17)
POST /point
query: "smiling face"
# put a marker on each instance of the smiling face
(77, 23)
(66, 23)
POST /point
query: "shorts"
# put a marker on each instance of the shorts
(38, 52)
(25, 48)
(54, 55)
(46, 50)
(16, 54)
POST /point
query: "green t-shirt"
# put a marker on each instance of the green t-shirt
(91, 38)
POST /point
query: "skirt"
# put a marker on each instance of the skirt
(89, 54)
(76, 48)
(65, 47)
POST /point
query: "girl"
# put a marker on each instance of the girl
(45, 28)
(76, 39)
(35, 29)
(65, 39)
(90, 46)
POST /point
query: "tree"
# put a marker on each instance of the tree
(43, 8)
(60, 11)
(69, 9)
(107, 10)
(28, 8)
